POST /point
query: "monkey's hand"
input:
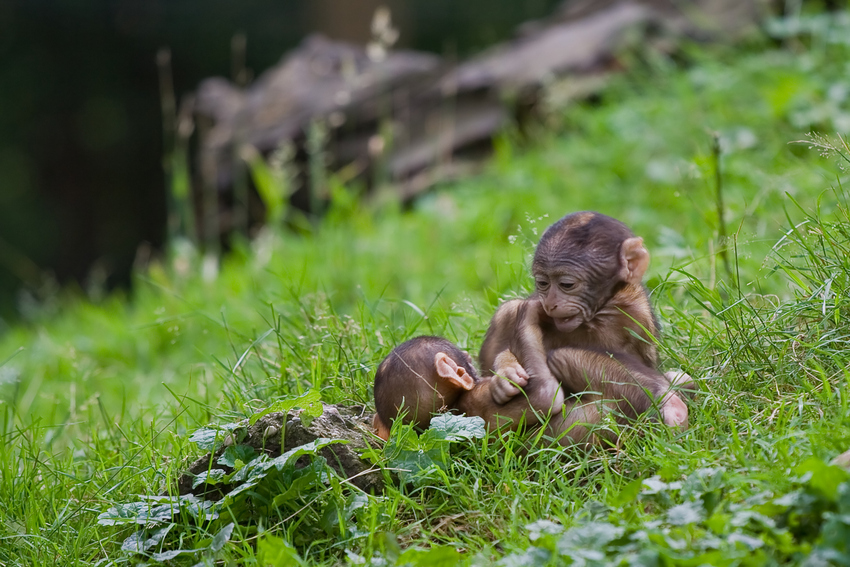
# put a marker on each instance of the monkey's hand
(509, 377)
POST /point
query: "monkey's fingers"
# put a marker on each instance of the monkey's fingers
(502, 391)
(674, 412)
(516, 374)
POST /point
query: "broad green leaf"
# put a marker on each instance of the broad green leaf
(202, 510)
(458, 427)
(685, 514)
(411, 463)
(303, 481)
(211, 438)
(247, 485)
(206, 438)
(745, 540)
(595, 535)
(310, 402)
(222, 537)
(237, 454)
(531, 556)
(654, 485)
(273, 550)
(138, 513)
(436, 556)
(212, 476)
(543, 527)
(311, 448)
(143, 540)
(745, 518)
(168, 555)
(822, 478)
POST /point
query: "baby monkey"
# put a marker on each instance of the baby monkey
(588, 327)
(427, 375)
(420, 377)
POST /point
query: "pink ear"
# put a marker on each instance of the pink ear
(634, 260)
(449, 370)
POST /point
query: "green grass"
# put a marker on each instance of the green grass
(98, 398)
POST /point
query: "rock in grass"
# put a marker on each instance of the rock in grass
(350, 423)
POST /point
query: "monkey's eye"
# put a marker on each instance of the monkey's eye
(566, 286)
(542, 284)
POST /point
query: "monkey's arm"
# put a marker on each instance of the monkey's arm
(620, 379)
(496, 359)
(513, 350)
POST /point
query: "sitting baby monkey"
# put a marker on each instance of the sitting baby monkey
(588, 330)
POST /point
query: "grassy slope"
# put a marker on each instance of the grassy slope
(96, 405)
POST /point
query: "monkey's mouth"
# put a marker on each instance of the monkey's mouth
(567, 324)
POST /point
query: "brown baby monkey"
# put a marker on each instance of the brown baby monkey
(420, 377)
(427, 375)
(588, 327)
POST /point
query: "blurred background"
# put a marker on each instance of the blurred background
(81, 140)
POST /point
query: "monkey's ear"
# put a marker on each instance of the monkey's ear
(449, 370)
(634, 260)
(469, 358)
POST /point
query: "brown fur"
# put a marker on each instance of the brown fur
(588, 329)
(420, 377)
(428, 375)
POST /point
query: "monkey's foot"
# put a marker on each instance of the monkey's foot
(674, 412)
(682, 382)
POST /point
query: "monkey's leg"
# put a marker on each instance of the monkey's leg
(682, 381)
(576, 425)
(624, 379)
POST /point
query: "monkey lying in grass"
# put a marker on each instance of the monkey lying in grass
(428, 375)
(420, 377)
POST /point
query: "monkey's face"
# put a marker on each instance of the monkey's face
(561, 298)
